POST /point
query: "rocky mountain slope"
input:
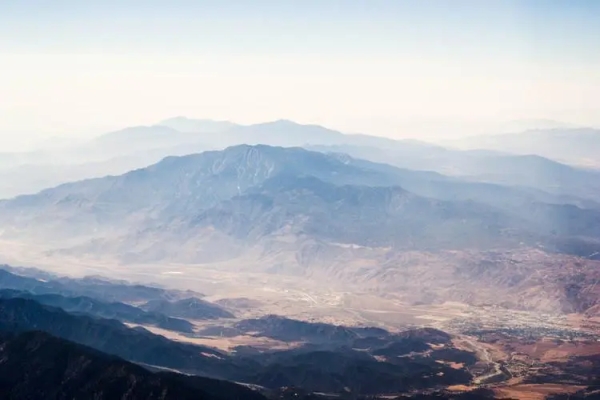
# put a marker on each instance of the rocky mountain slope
(180, 187)
(297, 212)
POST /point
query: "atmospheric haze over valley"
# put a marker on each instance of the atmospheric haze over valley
(313, 200)
(342, 231)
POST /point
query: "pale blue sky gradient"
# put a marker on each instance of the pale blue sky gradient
(372, 65)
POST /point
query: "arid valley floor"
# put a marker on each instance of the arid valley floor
(516, 349)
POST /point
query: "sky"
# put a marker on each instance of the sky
(420, 68)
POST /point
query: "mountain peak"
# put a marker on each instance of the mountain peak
(284, 122)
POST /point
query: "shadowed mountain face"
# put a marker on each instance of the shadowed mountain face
(96, 308)
(191, 308)
(289, 330)
(360, 215)
(35, 365)
(112, 337)
(357, 372)
(326, 336)
(67, 293)
(344, 361)
(331, 360)
(332, 367)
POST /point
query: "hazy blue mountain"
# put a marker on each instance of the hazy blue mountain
(579, 146)
(573, 184)
(282, 133)
(114, 153)
(311, 221)
(179, 185)
(296, 212)
(538, 172)
(32, 178)
(249, 181)
(184, 124)
(10, 160)
(385, 216)
(202, 180)
(288, 133)
(528, 124)
(141, 138)
(361, 215)
(131, 148)
(138, 147)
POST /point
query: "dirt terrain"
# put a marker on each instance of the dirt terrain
(521, 350)
(534, 392)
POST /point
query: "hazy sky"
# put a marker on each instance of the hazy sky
(382, 67)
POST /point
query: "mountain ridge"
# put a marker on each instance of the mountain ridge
(576, 145)
(301, 213)
(38, 365)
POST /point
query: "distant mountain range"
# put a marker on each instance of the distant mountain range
(117, 152)
(324, 209)
(525, 171)
(248, 192)
(578, 146)
(298, 212)
(189, 125)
